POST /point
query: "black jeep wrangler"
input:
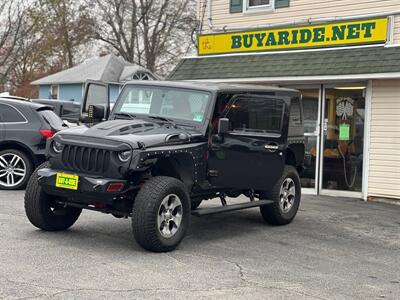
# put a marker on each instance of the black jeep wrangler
(166, 147)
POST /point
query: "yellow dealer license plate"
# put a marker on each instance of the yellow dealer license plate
(67, 181)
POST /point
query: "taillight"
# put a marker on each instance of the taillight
(115, 187)
(47, 133)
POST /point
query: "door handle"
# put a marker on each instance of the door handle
(271, 147)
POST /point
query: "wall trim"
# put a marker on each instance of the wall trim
(286, 51)
(367, 134)
(305, 78)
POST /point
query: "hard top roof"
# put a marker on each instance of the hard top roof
(212, 86)
(54, 101)
(15, 102)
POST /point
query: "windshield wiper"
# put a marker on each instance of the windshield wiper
(164, 119)
(123, 114)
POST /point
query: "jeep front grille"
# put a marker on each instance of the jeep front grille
(87, 160)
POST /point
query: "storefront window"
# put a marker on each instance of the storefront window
(343, 131)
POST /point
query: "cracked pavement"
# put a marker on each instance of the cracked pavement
(336, 248)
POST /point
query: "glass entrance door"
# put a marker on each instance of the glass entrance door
(342, 138)
(311, 108)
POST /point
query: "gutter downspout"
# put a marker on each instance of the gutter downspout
(294, 22)
(210, 24)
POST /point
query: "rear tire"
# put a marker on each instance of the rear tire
(42, 210)
(286, 196)
(15, 169)
(161, 214)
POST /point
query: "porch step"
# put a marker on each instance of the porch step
(216, 210)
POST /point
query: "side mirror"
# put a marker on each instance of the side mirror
(223, 125)
(95, 106)
(96, 112)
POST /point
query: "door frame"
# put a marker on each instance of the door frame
(318, 190)
(364, 183)
(317, 134)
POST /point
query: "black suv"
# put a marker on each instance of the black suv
(24, 129)
(165, 148)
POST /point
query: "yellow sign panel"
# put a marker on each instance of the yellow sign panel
(317, 36)
(67, 181)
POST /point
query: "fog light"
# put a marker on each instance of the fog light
(124, 156)
(115, 187)
(57, 147)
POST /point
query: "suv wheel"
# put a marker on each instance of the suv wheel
(45, 213)
(15, 169)
(161, 214)
(286, 195)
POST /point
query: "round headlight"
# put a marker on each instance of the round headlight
(57, 147)
(124, 156)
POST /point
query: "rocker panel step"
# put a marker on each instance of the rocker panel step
(215, 210)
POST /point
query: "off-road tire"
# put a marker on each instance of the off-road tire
(28, 169)
(145, 213)
(38, 207)
(272, 213)
(195, 204)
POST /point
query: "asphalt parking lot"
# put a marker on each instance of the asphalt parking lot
(335, 249)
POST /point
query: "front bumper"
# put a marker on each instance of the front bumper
(90, 188)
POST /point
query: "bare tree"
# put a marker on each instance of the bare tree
(67, 26)
(151, 33)
(165, 31)
(11, 31)
(58, 30)
(117, 25)
(30, 65)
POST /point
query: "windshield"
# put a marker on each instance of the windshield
(172, 103)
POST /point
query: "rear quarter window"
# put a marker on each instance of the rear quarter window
(9, 114)
(51, 118)
(295, 113)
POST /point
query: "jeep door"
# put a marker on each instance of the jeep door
(97, 94)
(252, 153)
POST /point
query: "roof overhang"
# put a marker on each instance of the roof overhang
(306, 78)
(55, 83)
(350, 63)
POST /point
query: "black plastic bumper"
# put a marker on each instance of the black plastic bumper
(90, 188)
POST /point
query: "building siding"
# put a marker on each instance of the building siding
(384, 155)
(44, 91)
(71, 92)
(396, 31)
(298, 10)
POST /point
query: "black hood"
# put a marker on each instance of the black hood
(130, 131)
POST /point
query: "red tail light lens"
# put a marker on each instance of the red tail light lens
(115, 187)
(47, 133)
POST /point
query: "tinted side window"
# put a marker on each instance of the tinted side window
(9, 114)
(256, 114)
(51, 118)
(97, 95)
(295, 113)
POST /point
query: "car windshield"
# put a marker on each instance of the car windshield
(169, 103)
